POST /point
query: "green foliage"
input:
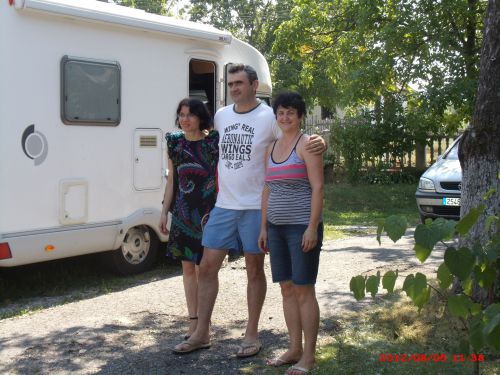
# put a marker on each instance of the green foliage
(362, 140)
(366, 54)
(480, 264)
(428, 234)
(476, 336)
(253, 21)
(357, 286)
(416, 288)
(389, 280)
(491, 329)
(462, 306)
(444, 276)
(396, 226)
(469, 220)
(372, 284)
(387, 176)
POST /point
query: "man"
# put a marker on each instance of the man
(245, 130)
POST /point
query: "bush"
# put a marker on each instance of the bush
(391, 176)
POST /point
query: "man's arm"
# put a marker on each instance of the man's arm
(316, 145)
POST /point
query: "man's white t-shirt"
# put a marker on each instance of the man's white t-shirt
(243, 140)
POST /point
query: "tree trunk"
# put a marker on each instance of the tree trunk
(479, 150)
(420, 162)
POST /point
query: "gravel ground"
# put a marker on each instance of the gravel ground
(132, 331)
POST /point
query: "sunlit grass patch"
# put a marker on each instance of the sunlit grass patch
(393, 326)
(351, 210)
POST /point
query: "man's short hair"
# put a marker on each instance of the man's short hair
(251, 73)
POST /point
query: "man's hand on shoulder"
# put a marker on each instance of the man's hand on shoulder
(316, 145)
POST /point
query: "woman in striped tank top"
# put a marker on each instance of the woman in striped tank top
(292, 230)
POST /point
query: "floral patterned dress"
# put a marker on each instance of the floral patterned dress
(195, 163)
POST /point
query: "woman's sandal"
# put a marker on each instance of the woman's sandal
(278, 362)
(186, 337)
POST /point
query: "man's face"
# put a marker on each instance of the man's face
(240, 88)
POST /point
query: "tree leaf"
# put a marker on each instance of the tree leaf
(489, 193)
(492, 332)
(408, 285)
(421, 299)
(489, 222)
(357, 286)
(444, 276)
(443, 228)
(372, 284)
(484, 275)
(459, 262)
(421, 252)
(416, 288)
(476, 336)
(426, 236)
(492, 250)
(467, 286)
(395, 226)
(459, 305)
(475, 309)
(468, 221)
(492, 310)
(389, 280)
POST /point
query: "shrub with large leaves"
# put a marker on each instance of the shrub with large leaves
(480, 264)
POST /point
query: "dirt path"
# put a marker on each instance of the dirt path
(132, 331)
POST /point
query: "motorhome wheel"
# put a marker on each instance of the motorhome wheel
(138, 251)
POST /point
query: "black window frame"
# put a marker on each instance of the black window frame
(64, 94)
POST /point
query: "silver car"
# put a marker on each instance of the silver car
(438, 192)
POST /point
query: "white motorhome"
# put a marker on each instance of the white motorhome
(87, 91)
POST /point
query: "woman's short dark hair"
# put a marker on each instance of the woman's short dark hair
(290, 99)
(197, 108)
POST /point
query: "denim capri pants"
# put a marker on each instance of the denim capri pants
(288, 260)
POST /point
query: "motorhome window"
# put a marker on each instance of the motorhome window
(90, 92)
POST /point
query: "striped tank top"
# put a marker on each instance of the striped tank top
(289, 190)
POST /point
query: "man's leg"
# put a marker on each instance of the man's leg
(208, 287)
(256, 293)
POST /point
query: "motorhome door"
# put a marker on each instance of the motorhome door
(202, 82)
(147, 159)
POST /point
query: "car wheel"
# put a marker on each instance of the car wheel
(137, 252)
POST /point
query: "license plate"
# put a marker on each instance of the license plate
(451, 201)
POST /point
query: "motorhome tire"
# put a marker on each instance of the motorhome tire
(137, 252)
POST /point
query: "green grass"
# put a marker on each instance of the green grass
(392, 325)
(362, 205)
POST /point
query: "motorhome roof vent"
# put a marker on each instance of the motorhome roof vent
(148, 141)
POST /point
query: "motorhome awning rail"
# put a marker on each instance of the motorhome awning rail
(120, 15)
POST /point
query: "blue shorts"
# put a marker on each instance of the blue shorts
(288, 261)
(225, 227)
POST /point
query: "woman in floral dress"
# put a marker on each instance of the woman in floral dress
(191, 187)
